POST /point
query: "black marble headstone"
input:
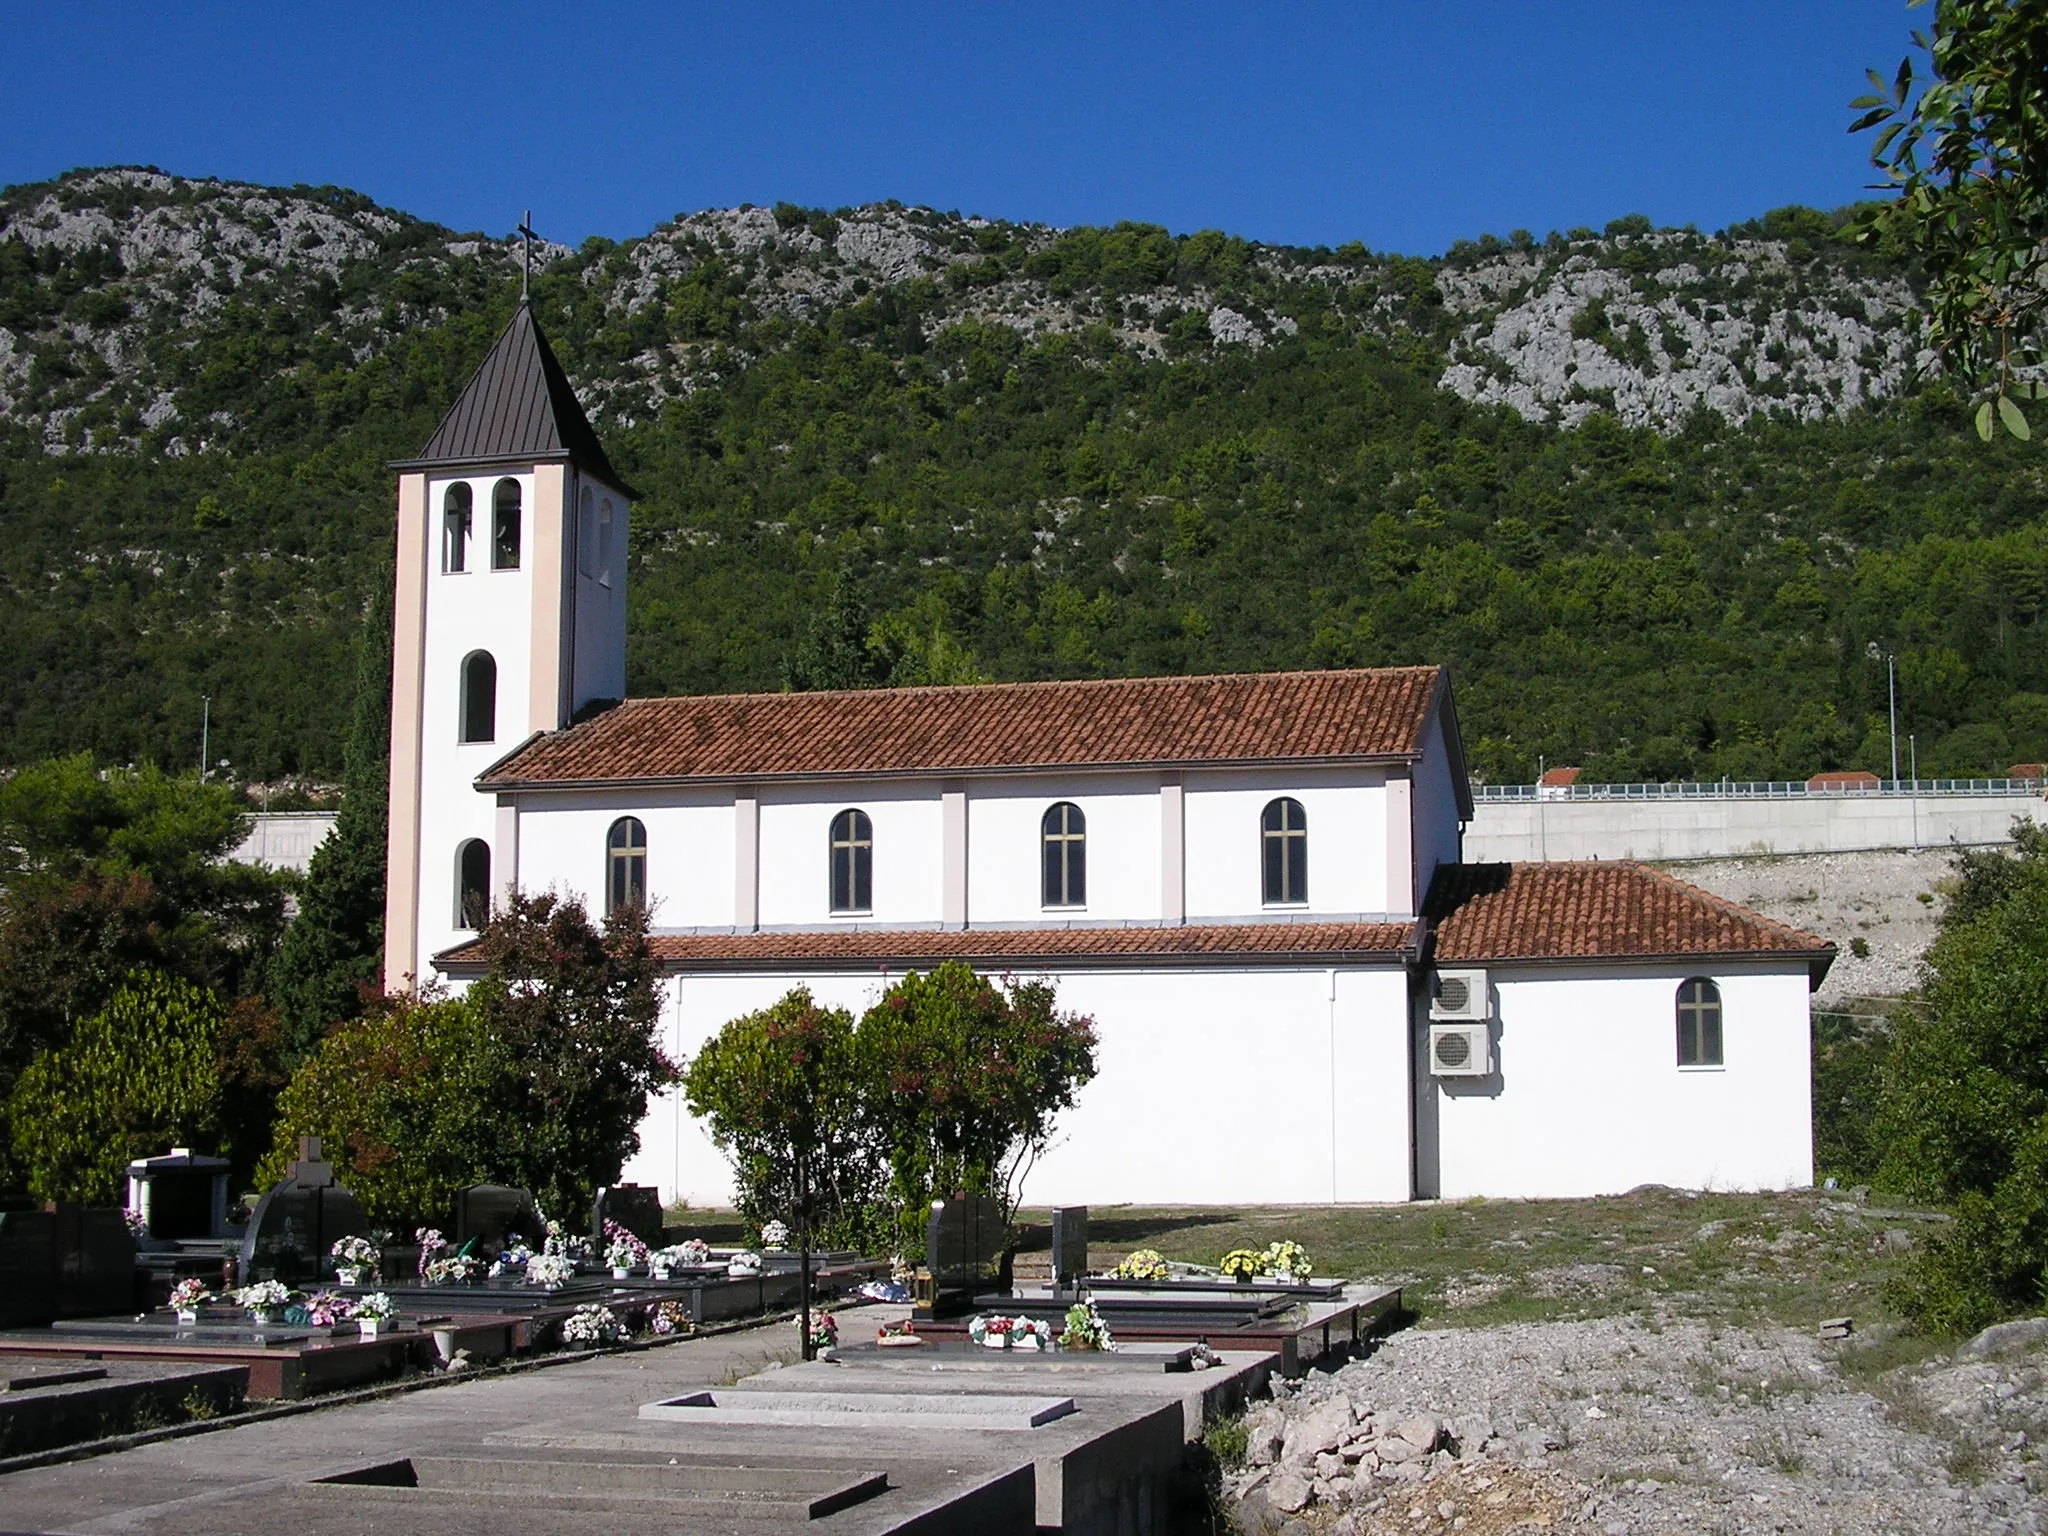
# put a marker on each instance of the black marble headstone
(28, 1279)
(93, 1261)
(1069, 1244)
(635, 1207)
(487, 1213)
(298, 1221)
(965, 1242)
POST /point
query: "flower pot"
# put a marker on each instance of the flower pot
(369, 1326)
(187, 1316)
(995, 1341)
(1244, 1279)
(348, 1274)
(262, 1318)
(659, 1272)
(1283, 1277)
(621, 1272)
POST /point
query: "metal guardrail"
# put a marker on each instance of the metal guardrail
(1761, 790)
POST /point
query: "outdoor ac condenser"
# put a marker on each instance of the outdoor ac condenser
(1460, 1050)
(1461, 997)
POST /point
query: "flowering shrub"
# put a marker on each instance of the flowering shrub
(189, 1295)
(326, 1308)
(263, 1296)
(592, 1325)
(454, 1269)
(376, 1308)
(550, 1269)
(1243, 1263)
(1287, 1258)
(824, 1331)
(1085, 1329)
(1140, 1264)
(775, 1235)
(670, 1317)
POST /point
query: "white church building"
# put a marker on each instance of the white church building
(1252, 883)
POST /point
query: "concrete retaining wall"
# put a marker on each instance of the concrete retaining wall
(1725, 826)
(284, 839)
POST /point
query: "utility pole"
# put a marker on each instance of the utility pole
(1891, 693)
(205, 731)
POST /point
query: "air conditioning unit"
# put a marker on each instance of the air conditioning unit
(1460, 1050)
(1461, 997)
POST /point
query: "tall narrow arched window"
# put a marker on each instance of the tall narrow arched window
(625, 857)
(479, 697)
(1283, 845)
(604, 543)
(853, 862)
(505, 526)
(455, 527)
(473, 884)
(1699, 1023)
(586, 534)
(1063, 834)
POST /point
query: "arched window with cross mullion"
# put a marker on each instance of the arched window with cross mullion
(853, 862)
(1699, 1023)
(1064, 833)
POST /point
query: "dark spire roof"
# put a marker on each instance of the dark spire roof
(519, 408)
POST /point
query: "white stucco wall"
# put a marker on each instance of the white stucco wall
(796, 837)
(690, 849)
(1004, 872)
(599, 573)
(1348, 868)
(1589, 1099)
(1281, 1086)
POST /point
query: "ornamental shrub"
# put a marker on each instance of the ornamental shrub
(136, 1078)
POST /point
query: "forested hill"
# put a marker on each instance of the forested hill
(1657, 497)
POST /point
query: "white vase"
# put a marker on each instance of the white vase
(349, 1274)
(187, 1316)
(995, 1341)
(659, 1272)
(369, 1326)
(261, 1317)
(621, 1271)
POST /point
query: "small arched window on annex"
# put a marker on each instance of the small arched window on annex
(604, 543)
(1283, 853)
(1063, 835)
(853, 862)
(586, 533)
(473, 884)
(455, 521)
(479, 697)
(625, 861)
(505, 510)
(1699, 1023)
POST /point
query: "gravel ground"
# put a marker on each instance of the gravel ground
(1614, 1426)
(1875, 897)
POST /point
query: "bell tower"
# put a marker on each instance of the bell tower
(509, 617)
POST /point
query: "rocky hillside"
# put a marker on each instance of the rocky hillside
(114, 283)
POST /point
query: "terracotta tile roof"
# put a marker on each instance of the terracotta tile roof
(998, 948)
(1266, 717)
(1597, 911)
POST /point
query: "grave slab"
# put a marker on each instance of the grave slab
(45, 1407)
(859, 1412)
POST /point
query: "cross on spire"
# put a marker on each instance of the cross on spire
(526, 239)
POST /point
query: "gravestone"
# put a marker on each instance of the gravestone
(92, 1260)
(182, 1195)
(1069, 1244)
(28, 1269)
(487, 1214)
(298, 1221)
(636, 1207)
(966, 1247)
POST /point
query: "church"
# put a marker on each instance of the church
(1252, 883)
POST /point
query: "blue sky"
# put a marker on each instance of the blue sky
(1405, 126)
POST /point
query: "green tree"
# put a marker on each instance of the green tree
(1966, 146)
(782, 1093)
(406, 1100)
(331, 957)
(1963, 1113)
(965, 1080)
(575, 1009)
(835, 651)
(140, 1075)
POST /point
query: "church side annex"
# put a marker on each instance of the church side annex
(1253, 883)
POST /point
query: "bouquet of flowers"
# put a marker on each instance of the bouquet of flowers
(1140, 1264)
(623, 1249)
(692, 1251)
(431, 1243)
(983, 1329)
(592, 1325)
(775, 1235)
(670, 1317)
(188, 1296)
(354, 1258)
(138, 1226)
(550, 1269)
(1287, 1258)
(262, 1298)
(455, 1269)
(745, 1262)
(824, 1332)
(326, 1308)
(376, 1308)
(1085, 1329)
(1030, 1333)
(1243, 1263)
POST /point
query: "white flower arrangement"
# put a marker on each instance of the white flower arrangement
(693, 1251)
(670, 1317)
(454, 1269)
(189, 1295)
(550, 1269)
(1287, 1257)
(356, 1253)
(138, 1225)
(376, 1308)
(623, 1248)
(593, 1325)
(745, 1262)
(775, 1235)
(264, 1296)
(1086, 1330)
